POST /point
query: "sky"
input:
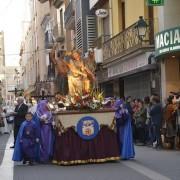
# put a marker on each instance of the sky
(12, 15)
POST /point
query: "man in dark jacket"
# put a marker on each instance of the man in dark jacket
(20, 112)
(156, 119)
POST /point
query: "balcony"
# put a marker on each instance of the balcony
(127, 42)
(49, 40)
(43, 1)
(58, 32)
(57, 3)
(69, 16)
(98, 43)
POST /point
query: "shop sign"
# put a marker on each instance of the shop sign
(167, 41)
(155, 2)
(102, 13)
(87, 127)
(128, 65)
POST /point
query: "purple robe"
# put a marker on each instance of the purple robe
(28, 141)
(46, 134)
(124, 131)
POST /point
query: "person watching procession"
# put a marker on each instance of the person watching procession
(19, 116)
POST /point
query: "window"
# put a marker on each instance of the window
(61, 22)
(123, 15)
(106, 29)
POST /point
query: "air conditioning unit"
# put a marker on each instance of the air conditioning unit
(98, 55)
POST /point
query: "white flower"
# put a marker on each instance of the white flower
(96, 101)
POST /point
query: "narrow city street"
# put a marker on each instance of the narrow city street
(149, 164)
(90, 90)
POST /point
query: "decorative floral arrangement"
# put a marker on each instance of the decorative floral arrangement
(90, 101)
(86, 101)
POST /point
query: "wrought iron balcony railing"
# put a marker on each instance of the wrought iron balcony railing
(101, 40)
(69, 15)
(127, 41)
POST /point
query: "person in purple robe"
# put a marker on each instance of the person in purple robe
(124, 130)
(27, 140)
(44, 119)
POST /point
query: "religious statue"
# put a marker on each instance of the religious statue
(80, 77)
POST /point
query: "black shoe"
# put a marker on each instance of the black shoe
(12, 147)
(31, 163)
(6, 133)
(24, 162)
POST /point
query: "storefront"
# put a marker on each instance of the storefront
(137, 76)
(167, 51)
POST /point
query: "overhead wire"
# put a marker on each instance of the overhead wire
(18, 54)
(30, 52)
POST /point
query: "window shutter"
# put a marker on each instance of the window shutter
(91, 31)
(79, 39)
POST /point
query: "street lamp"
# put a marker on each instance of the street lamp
(141, 27)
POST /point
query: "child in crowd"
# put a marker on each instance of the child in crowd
(27, 140)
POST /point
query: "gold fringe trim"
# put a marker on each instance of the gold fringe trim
(66, 163)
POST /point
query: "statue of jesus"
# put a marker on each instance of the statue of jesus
(79, 75)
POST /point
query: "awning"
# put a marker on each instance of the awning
(148, 67)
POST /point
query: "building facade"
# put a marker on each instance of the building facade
(35, 51)
(12, 82)
(69, 24)
(128, 67)
(2, 68)
(53, 26)
(167, 48)
(123, 38)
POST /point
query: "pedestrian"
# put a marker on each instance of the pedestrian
(9, 118)
(140, 120)
(5, 128)
(26, 141)
(147, 106)
(1, 125)
(177, 101)
(135, 105)
(19, 116)
(129, 105)
(170, 121)
(156, 121)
